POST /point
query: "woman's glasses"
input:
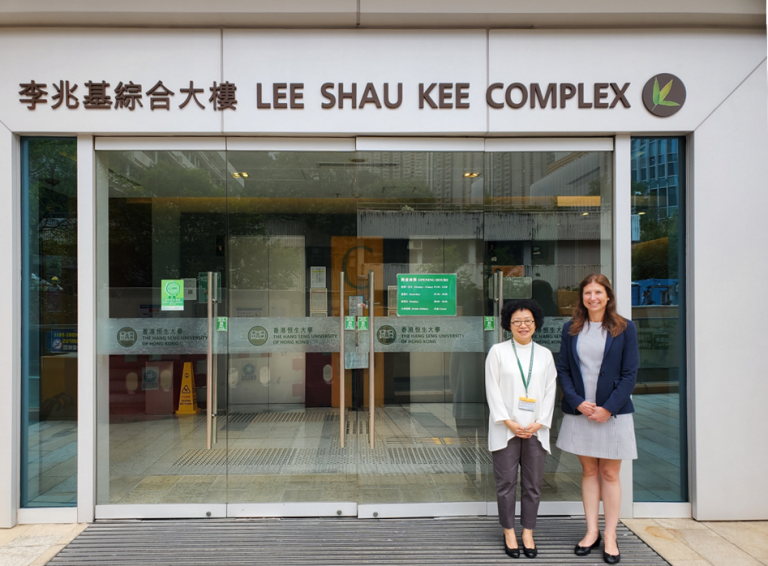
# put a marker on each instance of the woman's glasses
(527, 322)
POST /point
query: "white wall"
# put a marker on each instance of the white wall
(10, 345)
(730, 387)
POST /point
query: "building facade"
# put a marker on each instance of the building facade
(255, 258)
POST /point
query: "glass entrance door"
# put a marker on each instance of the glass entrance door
(337, 352)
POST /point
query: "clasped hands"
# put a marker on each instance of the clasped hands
(522, 431)
(593, 412)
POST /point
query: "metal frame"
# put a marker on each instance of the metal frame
(622, 270)
(342, 377)
(163, 511)
(331, 509)
(86, 327)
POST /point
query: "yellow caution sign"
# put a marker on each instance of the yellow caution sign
(188, 395)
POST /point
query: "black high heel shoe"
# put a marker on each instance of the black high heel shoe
(530, 552)
(585, 550)
(610, 558)
(511, 552)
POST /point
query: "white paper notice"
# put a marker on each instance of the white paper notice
(317, 277)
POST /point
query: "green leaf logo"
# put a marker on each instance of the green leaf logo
(659, 96)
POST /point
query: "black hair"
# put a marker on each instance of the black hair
(515, 305)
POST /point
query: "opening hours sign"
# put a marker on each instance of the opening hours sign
(426, 294)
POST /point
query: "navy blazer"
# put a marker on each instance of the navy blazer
(618, 372)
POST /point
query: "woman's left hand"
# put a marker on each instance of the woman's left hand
(530, 430)
(600, 415)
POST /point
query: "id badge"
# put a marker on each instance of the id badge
(526, 404)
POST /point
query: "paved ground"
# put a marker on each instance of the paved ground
(682, 542)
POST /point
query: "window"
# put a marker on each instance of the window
(658, 311)
(49, 322)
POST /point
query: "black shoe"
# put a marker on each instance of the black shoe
(585, 550)
(511, 552)
(610, 558)
(530, 552)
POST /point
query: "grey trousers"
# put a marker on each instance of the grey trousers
(530, 456)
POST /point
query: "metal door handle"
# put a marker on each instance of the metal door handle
(342, 396)
(371, 368)
(501, 303)
(209, 368)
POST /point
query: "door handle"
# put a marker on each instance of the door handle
(371, 368)
(211, 436)
(500, 278)
(342, 396)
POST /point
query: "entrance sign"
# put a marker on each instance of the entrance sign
(172, 295)
(426, 294)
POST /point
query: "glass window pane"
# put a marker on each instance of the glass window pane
(547, 226)
(49, 323)
(658, 311)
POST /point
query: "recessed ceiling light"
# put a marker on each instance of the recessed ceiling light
(244, 174)
(236, 175)
(640, 213)
(471, 174)
(585, 214)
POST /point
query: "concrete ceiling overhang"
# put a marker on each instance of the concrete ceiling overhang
(387, 13)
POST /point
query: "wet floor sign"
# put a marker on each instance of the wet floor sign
(188, 395)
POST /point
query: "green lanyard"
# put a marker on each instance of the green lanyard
(530, 368)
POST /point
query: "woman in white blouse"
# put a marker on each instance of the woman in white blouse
(520, 384)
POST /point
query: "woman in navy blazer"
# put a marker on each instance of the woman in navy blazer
(597, 370)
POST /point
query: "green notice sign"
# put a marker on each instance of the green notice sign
(349, 323)
(362, 323)
(221, 323)
(172, 294)
(426, 294)
(489, 323)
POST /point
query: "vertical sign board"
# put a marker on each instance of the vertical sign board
(426, 294)
(172, 294)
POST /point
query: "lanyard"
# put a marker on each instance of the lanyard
(530, 368)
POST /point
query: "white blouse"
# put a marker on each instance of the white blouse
(504, 387)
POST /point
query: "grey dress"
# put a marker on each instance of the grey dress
(613, 439)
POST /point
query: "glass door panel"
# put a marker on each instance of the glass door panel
(289, 215)
(162, 221)
(360, 293)
(420, 224)
(548, 223)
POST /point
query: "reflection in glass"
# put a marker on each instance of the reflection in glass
(161, 215)
(548, 222)
(658, 310)
(49, 323)
(281, 236)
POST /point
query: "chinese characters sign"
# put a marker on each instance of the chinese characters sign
(128, 96)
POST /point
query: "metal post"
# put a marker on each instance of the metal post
(209, 368)
(371, 368)
(501, 304)
(342, 396)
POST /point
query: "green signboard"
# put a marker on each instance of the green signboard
(426, 294)
(172, 294)
(349, 323)
(489, 323)
(362, 323)
(221, 323)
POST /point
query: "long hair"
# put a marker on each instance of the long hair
(613, 322)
